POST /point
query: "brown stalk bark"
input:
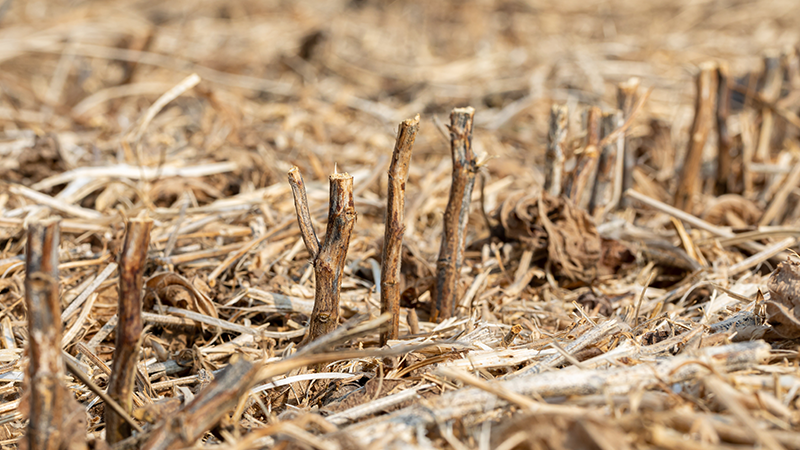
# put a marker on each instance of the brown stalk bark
(303, 213)
(456, 214)
(772, 79)
(129, 328)
(724, 140)
(791, 62)
(769, 91)
(328, 257)
(554, 158)
(49, 399)
(579, 188)
(603, 195)
(207, 408)
(689, 183)
(395, 225)
(627, 95)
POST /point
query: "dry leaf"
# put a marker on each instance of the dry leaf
(567, 232)
(174, 290)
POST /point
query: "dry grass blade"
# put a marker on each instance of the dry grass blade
(776, 206)
(222, 395)
(468, 401)
(109, 402)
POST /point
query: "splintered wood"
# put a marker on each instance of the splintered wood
(593, 246)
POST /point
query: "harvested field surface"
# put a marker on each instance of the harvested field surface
(586, 239)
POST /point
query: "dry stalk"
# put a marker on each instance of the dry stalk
(395, 227)
(129, 328)
(456, 214)
(554, 158)
(769, 91)
(605, 184)
(303, 213)
(627, 95)
(582, 180)
(724, 139)
(776, 208)
(49, 399)
(329, 257)
(689, 183)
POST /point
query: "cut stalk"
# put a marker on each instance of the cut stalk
(456, 214)
(627, 96)
(554, 158)
(329, 257)
(606, 184)
(582, 180)
(769, 91)
(688, 186)
(48, 397)
(724, 140)
(129, 327)
(395, 226)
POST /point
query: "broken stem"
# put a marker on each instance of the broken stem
(689, 183)
(395, 226)
(303, 213)
(129, 328)
(554, 158)
(48, 397)
(456, 214)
